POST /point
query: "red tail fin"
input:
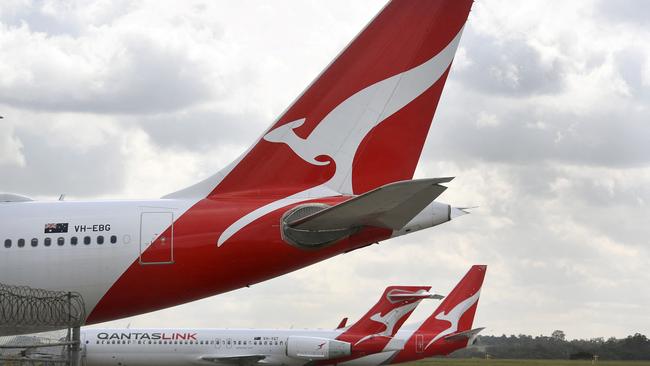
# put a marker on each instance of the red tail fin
(376, 99)
(373, 331)
(447, 328)
(456, 312)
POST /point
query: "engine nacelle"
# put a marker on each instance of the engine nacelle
(314, 348)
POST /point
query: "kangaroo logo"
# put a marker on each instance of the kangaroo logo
(340, 133)
(453, 316)
(389, 320)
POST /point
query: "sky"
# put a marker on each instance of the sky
(544, 122)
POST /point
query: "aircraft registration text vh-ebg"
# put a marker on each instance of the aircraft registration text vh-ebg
(334, 173)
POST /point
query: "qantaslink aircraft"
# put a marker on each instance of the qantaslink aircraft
(376, 339)
(333, 174)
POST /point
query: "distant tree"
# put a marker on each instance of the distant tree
(582, 355)
(558, 335)
(634, 347)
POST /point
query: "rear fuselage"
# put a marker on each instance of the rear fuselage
(131, 257)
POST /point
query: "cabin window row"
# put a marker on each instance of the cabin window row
(61, 241)
(245, 343)
(151, 342)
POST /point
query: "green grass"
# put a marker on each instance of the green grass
(482, 362)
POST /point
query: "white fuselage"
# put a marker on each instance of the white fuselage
(103, 239)
(135, 347)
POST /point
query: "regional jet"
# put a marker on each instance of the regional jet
(374, 340)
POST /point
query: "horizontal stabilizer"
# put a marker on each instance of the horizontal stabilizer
(235, 360)
(466, 335)
(391, 206)
(10, 197)
(423, 295)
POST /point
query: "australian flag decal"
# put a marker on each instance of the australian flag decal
(56, 228)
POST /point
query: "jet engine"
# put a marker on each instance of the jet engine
(314, 348)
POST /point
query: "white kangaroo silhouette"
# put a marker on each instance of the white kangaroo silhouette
(340, 133)
(389, 320)
(453, 316)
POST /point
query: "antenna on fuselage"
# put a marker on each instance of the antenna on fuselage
(62, 197)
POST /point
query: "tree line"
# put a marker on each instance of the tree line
(634, 347)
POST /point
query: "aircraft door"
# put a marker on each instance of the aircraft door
(156, 238)
(419, 343)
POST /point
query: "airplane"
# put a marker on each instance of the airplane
(371, 334)
(377, 339)
(447, 329)
(332, 174)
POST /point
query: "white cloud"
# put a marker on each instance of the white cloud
(485, 119)
(10, 147)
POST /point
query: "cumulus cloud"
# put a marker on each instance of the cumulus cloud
(115, 68)
(10, 147)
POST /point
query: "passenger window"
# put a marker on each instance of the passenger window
(87, 240)
(113, 239)
(34, 242)
(100, 240)
(7, 243)
(60, 241)
(73, 240)
(47, 242)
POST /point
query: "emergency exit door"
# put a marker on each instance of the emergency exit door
(156, 238)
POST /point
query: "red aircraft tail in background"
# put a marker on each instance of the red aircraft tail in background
(450, 326)
(377, 327)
